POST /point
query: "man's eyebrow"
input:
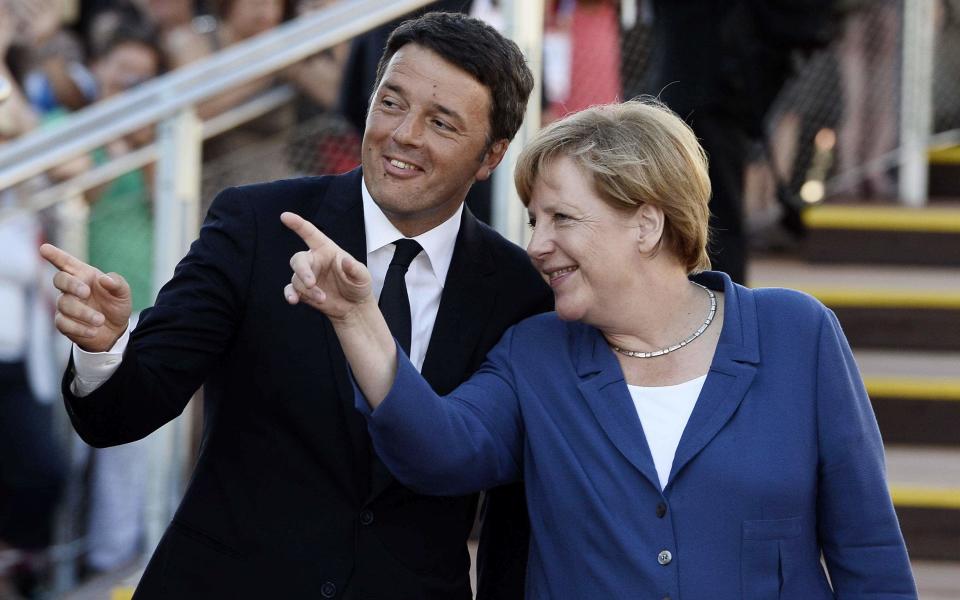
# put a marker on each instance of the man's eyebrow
(444, 110)
(393, 87)
(440, 108)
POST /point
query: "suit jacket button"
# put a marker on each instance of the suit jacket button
(664, 557)
(328, 589)
(661, 510)
(366, 517)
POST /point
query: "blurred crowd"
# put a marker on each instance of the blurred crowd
(830, 108)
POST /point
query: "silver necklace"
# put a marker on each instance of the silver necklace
(682, 343)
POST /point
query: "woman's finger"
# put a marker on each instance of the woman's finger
(302, 265)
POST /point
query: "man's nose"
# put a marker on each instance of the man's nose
(409, 132)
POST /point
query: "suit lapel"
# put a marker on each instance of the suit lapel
(465, 305)
(340, 214)
(340, 217)
(731, 373)
(603, 387)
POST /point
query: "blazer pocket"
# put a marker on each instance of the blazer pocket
(761, 556)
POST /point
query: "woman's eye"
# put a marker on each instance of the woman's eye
(562, 217)
(531, 223)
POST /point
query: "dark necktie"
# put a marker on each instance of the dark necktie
(394, 302)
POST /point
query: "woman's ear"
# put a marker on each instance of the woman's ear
(649, 226)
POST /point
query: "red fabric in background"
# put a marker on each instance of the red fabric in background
(595, 62)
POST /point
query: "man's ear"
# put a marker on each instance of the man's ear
(491, 158)
(649, 221)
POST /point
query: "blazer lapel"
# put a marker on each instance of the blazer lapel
(340, 217)
(731, 373)
(604, 389)
(465, 305)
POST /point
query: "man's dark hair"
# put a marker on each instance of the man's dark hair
(481, 51)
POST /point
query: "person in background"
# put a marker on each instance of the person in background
(237, 20)
(720, 65)
(32, 465)
(322, 142)
(679, 436)
(120, 239)
(592, 30)
(288, 498)
(868, 54)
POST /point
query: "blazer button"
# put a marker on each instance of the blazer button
(328, 589)
(661, 510)
(664, 557)
(366, 517)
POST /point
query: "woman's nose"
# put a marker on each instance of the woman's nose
(540, 244)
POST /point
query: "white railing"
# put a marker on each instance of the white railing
(916, 100)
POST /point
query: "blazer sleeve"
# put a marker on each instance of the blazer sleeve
(177, 341)
(469, 440)
(859, 532)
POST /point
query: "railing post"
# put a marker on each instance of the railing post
(70, 232)
(176, 215)
(523, 23)
(916, 99)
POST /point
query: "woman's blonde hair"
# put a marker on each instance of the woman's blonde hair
(636, 152)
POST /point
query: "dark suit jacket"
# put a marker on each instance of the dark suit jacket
(287, 498)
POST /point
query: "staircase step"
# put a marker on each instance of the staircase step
(915, 395)
(913, 308)
(883, 234)
(937, 580)
(925, 486)
(944, 174)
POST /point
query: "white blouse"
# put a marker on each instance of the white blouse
(664, 412)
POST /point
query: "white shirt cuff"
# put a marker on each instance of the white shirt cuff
(91, 369)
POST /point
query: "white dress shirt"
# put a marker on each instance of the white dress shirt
(426, 274)
(664, 412)
(425, 279)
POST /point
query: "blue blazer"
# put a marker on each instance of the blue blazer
(780, 461)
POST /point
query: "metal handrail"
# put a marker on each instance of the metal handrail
(147, 154)
(151, 102)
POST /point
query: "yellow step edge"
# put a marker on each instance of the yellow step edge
(882, 298)
(949, 155)
(886, 218)
(905, 496)
(914, 388)
(122, 592)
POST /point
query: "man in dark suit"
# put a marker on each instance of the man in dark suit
(360, 75)
(287, 498)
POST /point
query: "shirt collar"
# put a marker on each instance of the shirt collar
(437, 243)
